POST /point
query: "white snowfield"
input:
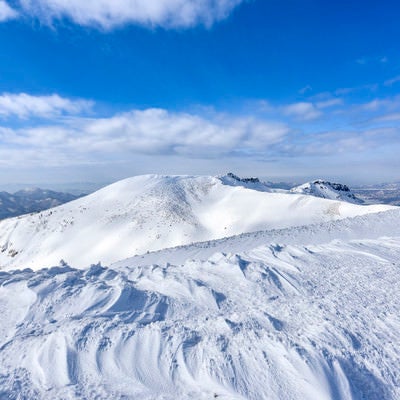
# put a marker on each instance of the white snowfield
(276, 322)
(307, 310)
(150, 212)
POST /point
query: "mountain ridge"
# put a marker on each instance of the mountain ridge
(328, 190)
(152, 212)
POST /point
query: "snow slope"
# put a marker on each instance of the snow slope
(327, 190)
(369, 226)
(293, 322)
(152, 212)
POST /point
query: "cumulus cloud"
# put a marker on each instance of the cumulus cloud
(6, 12)
(157, 130)
(282, 132)
(23, 105)
(151, 132)
(107, 14)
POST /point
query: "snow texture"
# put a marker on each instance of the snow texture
(277, 322)
(308, 310)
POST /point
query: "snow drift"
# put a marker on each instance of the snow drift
(299, 322)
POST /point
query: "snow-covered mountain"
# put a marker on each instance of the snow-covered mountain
(328, 190)
(253, 183)
(153, 212)
(31, 200)
(293, 315)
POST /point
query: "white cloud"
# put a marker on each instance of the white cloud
(152, 131)
(6, 12)
(23, 105)
(157, 130)
(329, 103)
(207, 136)
(336, 143)
(377, 104)
(303, 111)
(366, 88)
(388, 118)
(108, 14)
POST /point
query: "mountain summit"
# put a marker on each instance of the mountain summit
(328, 190)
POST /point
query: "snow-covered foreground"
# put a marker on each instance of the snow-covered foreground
(153, 212)
(303, 303)
(278, 321)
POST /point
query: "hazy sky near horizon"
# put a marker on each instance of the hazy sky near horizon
(290, 89)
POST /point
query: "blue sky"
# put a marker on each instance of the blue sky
(286, 90)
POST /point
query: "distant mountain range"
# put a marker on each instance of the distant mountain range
(31, 200)
(385, 193)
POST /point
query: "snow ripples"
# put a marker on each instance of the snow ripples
(281, 322)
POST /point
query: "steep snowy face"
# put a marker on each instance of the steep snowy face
(152, 212)
(328, 190)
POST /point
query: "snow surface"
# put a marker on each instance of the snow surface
(308, 310)
(151, 212)
(277, 322)
(370, 226)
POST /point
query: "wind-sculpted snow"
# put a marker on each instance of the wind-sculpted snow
(148, 213)
(280, 322)
(370, 226)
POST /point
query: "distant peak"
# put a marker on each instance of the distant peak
(336, 186)
(230, 179)
(328, 190)
(244, 180)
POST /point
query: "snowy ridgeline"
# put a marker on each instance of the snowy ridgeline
(306, 308)
(149, 213)
(278, 322)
